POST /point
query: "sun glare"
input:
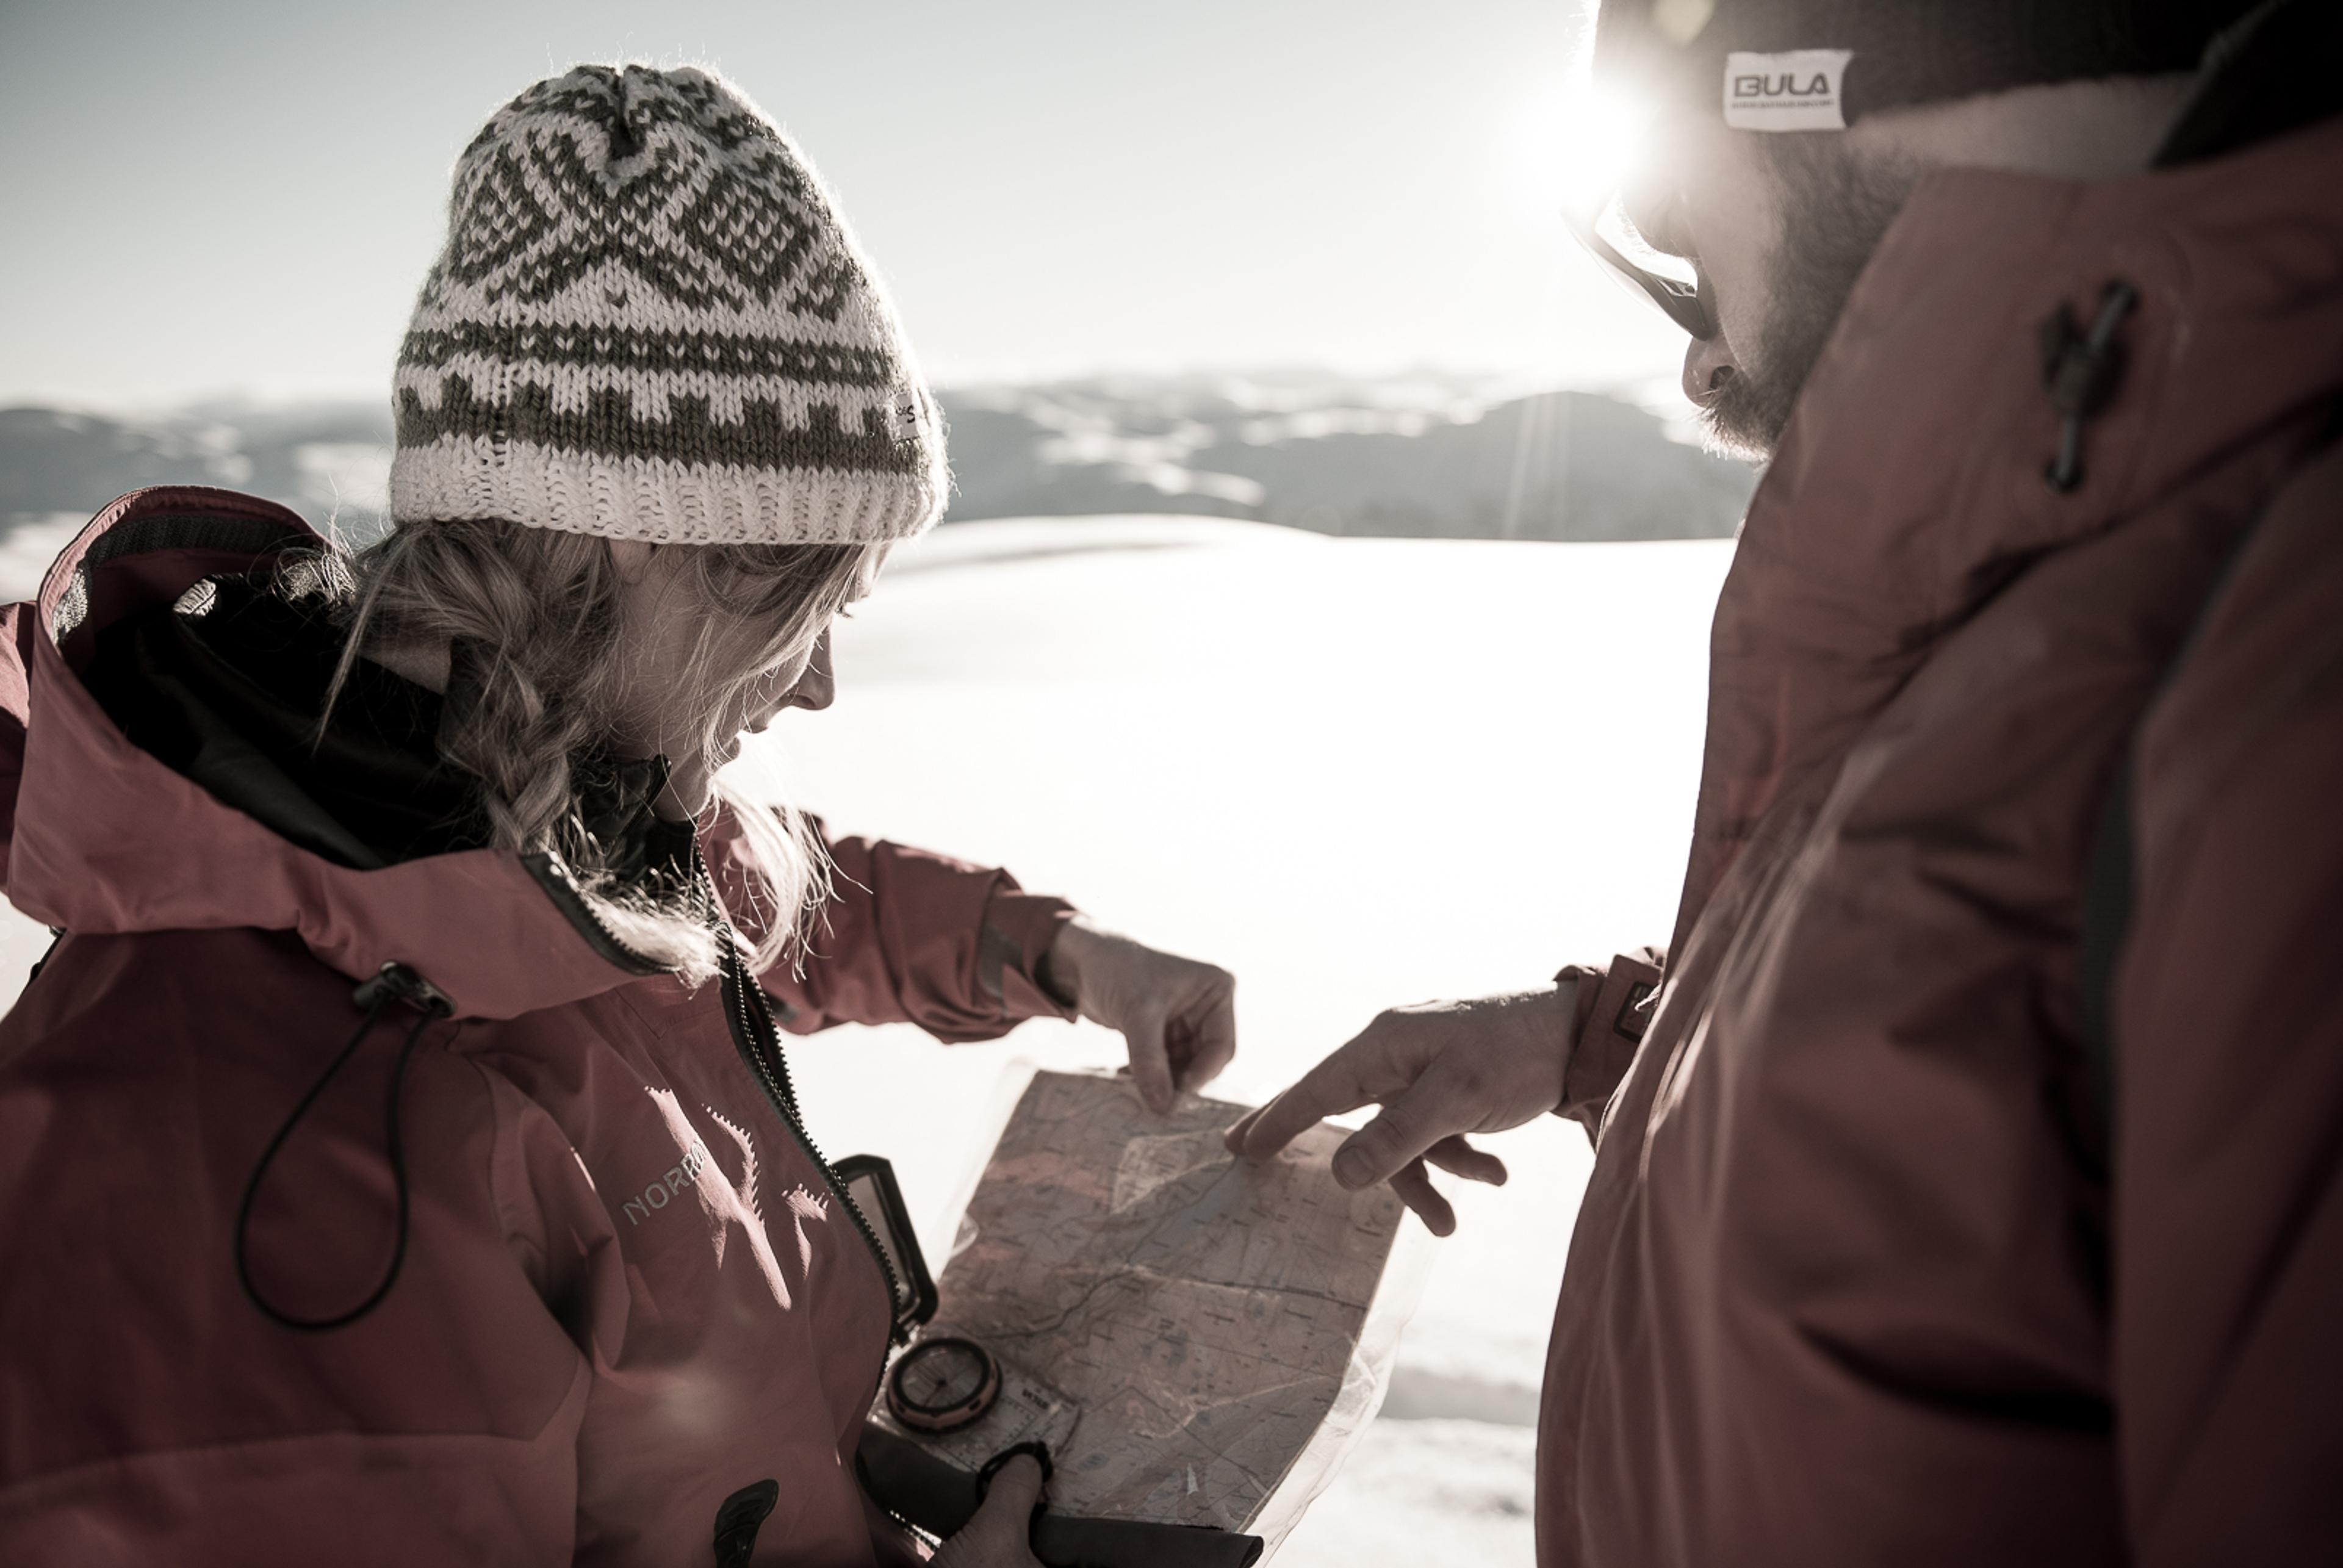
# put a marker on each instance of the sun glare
(1572, 146)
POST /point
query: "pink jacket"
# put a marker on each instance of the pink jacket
(1851, 1283)
(632, 1290)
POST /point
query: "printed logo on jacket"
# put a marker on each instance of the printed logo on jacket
(725, 1201)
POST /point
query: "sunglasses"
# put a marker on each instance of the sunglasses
(1607, 237)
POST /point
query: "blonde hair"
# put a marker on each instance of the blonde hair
(532, 617)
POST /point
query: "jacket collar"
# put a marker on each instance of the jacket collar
(2271, 73)
(1909, 486)
(106, 839)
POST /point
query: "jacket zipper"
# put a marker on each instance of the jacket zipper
(765, 1059)
(761, 1050)
(771, 1068)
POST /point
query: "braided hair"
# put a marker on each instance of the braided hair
(531, 618)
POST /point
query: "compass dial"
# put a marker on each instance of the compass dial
(942, 1384)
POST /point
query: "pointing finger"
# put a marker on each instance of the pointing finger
(1149, 1067)
(1333, 1086)
(1214, 1044)
(1432, 1109)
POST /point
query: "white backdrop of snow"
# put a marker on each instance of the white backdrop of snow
(1358, 772)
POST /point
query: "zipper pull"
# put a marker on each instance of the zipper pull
(2080, 370)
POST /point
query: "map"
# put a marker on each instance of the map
(1201, 1312)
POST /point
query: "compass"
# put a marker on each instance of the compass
(942, 1384)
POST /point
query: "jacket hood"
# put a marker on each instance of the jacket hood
(98, 837)
(1885, 523)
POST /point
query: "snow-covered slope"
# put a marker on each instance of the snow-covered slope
(1358, 772)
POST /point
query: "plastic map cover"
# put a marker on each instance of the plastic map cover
(1215, 1323)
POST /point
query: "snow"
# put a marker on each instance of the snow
(1358, 772)
(1424, 1494)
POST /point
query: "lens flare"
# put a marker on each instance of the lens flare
(1574, 144)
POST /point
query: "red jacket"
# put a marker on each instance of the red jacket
(1848, 1285)
(630, 1288)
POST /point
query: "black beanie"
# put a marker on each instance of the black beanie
(1904, 52)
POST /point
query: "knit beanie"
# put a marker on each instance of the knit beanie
(1822, 64)
(649, 323)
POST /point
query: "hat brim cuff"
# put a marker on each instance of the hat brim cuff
(654, 499)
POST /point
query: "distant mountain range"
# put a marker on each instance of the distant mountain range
(1415, 457)
(1427, 458)
(328, 461)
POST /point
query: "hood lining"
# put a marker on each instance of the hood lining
(259, 537)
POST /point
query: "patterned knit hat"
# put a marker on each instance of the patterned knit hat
(649, 323)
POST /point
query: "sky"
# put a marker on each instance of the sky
(240, 196)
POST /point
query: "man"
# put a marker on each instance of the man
(1969, 1190)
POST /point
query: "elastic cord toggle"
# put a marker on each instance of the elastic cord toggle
(399, 983)
(392, 983)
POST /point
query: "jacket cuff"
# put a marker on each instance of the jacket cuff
(1018, 928)
(1614, 1007)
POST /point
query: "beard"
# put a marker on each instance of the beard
(1836, 209)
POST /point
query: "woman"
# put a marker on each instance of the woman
(397, 1159)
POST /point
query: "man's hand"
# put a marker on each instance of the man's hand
(1178, 1015)
(1438, 1069)
(1001, 1533)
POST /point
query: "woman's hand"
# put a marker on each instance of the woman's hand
(1001, 1533)
(1178, 1015)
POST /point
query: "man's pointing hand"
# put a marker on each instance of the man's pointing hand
(1439, 1071)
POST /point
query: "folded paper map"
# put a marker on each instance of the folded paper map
(1205, 1316)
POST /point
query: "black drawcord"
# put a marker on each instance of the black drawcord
(394, 982)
